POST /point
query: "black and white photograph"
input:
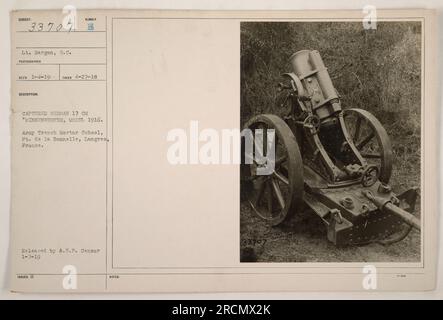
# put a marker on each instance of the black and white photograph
(340, 106)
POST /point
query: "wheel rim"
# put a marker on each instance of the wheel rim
(371, 140)
(274, 197)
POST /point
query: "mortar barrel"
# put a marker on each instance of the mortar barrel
(300, 63)
(323, 78)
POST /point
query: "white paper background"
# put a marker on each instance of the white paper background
(6, 6)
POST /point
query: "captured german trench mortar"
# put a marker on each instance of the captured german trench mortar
(337, 162)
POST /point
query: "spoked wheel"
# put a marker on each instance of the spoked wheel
(276, 194)
(371, 140)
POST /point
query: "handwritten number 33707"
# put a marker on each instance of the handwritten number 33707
(47, 27)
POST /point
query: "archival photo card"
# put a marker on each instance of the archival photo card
(212, 151)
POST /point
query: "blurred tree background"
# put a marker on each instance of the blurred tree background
(376, 70)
